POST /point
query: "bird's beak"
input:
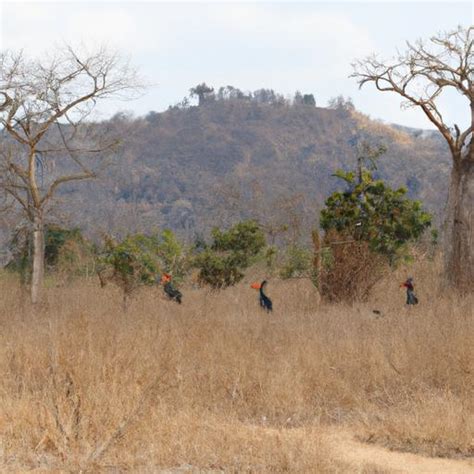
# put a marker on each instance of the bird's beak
(256, 286)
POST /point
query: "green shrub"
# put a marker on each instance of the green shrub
(367, 227)
(372, 212)
(222, 263)
(129, 264)
(173, 256)
(139, 260)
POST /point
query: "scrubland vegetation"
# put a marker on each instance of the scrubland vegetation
(216, 384)
(214, 198)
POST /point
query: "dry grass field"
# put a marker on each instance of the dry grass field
(217, 385)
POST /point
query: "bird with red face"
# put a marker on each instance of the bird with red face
(171, 292)
(264, 300)
(411, 297)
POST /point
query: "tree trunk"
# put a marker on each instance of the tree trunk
(38, 257)
(460, 227)
(316, 257)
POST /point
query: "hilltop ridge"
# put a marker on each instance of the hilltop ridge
(194, 167)
(190, 168)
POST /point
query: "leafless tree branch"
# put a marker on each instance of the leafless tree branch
(421, 74)
(45, 140)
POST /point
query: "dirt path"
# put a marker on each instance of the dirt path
(359, 455)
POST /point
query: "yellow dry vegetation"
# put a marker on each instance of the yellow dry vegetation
(382, 130)
(217, 385)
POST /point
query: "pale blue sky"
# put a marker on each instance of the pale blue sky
(285, 46)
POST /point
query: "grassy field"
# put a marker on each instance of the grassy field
(216, 384)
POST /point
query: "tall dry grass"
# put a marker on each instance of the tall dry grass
(217, 384)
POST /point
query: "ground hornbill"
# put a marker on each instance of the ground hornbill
(172, 292)
(411, 297)
(265, 301)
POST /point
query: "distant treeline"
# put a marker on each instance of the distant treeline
(207, 94)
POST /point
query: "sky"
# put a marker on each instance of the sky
(285, 46)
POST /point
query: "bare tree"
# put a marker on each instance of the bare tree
(46, 140)
(420, 75)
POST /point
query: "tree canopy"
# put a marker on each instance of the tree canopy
(371, 211)
(222, 262)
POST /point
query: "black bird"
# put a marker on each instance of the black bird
(411, 297)
(172, 292)
(264, 300)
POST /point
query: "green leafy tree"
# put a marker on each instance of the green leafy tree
(371, 211)
(129, 264)
(222, 263)
(172, 254)
(366, 226)
(138, 260)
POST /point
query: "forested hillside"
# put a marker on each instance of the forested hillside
(239, 156)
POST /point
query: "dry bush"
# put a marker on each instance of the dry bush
(352, 271)
(217, 384)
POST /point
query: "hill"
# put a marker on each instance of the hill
(193, 167)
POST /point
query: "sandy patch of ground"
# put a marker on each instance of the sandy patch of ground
(359, 455)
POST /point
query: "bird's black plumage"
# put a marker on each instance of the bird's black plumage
(265, 301)
(172, 292)
(411, 297)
